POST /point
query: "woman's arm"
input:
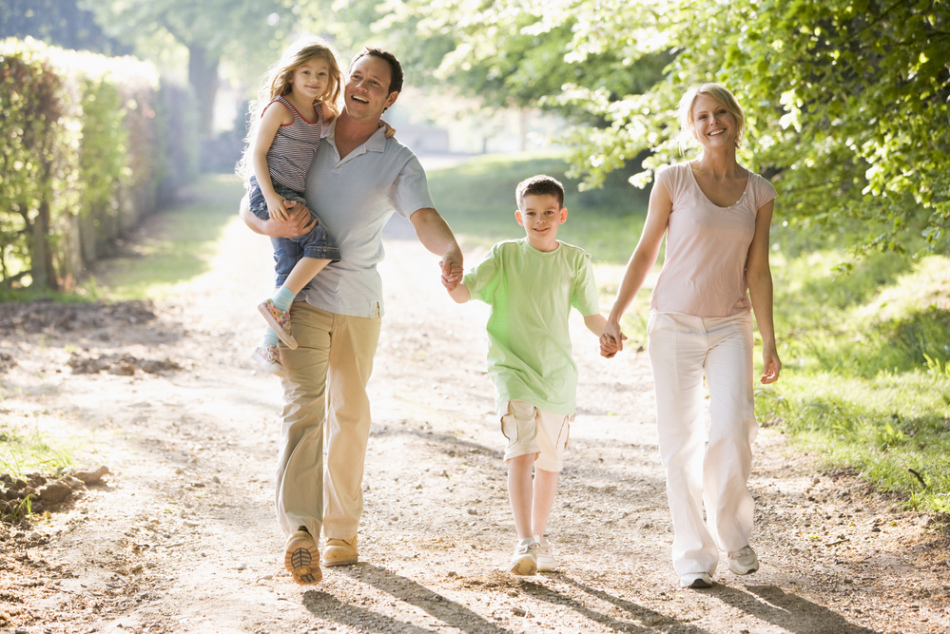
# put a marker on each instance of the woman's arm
(642, 260)
(759, 279)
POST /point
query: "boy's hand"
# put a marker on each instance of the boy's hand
(611, 342)
(609, 347)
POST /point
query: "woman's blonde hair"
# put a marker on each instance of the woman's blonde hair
(718, 92)
(278, 83)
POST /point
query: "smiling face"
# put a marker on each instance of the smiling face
(311, 79)
(366, 94)
(541, 215)
(714, 125)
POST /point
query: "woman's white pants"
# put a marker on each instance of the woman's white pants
(703, 468)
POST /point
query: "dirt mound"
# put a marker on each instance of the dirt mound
(20, 498)
(43, 315)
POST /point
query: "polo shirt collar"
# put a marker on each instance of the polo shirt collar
(375, 143)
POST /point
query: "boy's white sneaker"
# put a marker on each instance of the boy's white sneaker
(545, 555)
(525, 559)
(743, 561)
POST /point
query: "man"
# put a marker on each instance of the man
(357, 179)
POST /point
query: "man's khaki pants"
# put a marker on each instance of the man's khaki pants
(326, 380)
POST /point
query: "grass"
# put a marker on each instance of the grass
(24, 449)
(184, 247)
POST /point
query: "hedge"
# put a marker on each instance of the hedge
(88, 146)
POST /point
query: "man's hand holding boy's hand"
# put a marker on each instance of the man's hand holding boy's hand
(452, 271)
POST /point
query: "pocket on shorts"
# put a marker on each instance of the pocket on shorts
(509, 422)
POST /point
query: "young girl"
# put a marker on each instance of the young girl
(297, 100)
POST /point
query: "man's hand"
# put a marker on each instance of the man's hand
(452, 270)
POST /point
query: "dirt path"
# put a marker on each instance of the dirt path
(182, 536)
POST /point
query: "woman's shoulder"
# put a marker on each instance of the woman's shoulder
(673, 176)
(764, 190)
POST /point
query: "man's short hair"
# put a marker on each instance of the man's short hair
(395, 68)
(538, 186)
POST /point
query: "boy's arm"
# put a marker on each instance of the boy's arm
(460, 294)
(596, 323)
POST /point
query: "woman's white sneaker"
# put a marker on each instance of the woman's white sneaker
(696, 580)
(743, 561)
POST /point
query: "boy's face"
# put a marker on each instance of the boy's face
(540, 215)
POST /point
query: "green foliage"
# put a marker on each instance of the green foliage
(57, 22)
(846, 100)
(81, 157)
(249, 34)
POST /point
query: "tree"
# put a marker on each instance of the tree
(242, 31)
(59, 22)
(847, 100)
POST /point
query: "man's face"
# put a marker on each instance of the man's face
(366, 94)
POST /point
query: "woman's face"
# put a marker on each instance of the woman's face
(714, 125)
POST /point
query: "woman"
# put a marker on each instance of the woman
(717, 216)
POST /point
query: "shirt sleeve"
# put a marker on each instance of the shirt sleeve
(762, 191)
(410, 191)
(482, 281)
(585, 298)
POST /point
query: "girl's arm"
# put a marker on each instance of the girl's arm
(271, 120)
(759, 279)
(642, 260)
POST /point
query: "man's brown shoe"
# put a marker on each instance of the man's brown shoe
(302, 558)
(340, 552)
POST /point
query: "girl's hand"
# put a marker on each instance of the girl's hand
(277, 210)
(390, 131)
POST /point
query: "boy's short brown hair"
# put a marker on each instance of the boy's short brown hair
(538, 186)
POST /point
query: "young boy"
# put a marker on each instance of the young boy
(531, 285)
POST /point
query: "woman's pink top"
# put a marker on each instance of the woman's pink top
(706, 247)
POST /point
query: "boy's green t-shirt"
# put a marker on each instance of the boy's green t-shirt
(531, 293)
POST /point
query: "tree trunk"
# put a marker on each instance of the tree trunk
(203, 77)
(42, 270)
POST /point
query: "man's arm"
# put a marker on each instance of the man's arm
(436, 236)
(300, 221)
